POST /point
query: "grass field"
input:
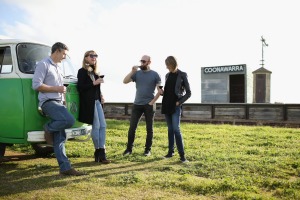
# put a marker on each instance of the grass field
(226, 162)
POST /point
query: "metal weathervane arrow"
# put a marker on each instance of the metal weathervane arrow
(263, 44)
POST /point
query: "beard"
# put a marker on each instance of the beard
(143, 67)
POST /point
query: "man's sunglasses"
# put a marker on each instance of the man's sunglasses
(92, 55)
(143, 61)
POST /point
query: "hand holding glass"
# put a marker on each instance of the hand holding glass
(135, 68)
(161, 87)
(99, 80)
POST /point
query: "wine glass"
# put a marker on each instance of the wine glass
(161, 87)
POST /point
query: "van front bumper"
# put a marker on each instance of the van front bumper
(72, 133)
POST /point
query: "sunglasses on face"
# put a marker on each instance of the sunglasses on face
(143, 61)
(92, 55)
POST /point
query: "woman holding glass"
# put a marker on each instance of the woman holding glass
(176, 92)
(91, 100)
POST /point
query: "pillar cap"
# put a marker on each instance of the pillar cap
(262, 70)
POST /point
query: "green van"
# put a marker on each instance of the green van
(21, 122)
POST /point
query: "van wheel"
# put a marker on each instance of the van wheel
(2, 149)
(42, 150)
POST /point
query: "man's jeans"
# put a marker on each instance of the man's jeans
(137, 112)
(61, 119)
(173, 122)
(99, 127)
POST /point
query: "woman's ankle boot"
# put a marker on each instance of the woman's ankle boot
(102, 156)
(97, 155)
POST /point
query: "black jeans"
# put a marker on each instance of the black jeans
(136, 114)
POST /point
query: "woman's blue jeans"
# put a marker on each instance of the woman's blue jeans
(99, 127)
(61, 119)
(174, 133)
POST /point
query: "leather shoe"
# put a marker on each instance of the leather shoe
(48, 137)
(72, 172)
(104, 161)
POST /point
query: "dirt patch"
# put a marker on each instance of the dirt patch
(16, 156)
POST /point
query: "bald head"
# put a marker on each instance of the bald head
(146, 58)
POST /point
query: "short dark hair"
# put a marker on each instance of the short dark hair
(59, 46)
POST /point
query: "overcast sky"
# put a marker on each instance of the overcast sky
(199, 33)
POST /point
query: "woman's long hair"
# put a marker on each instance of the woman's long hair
(85, 65)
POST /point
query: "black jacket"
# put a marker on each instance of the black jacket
(182, 87)
(87, 93)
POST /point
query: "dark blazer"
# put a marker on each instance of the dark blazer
(87, 93)
(182, 86)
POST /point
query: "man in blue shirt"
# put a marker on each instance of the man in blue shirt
(48, 80)
(146, 81)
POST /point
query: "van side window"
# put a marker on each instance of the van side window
(29, 55)
(5, 60)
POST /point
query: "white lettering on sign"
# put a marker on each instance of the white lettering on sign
(224, 69)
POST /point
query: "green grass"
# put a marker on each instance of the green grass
(226, 162)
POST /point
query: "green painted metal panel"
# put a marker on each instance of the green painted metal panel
(72, 101)
(11, 109)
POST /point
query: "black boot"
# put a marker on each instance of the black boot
(97, 155)
(102, 157)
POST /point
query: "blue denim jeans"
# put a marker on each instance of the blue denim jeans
(61, 119)
(136, 114)
(99, 127)
(174, 133)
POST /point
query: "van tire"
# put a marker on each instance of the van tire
(42, 150)
(2, 149)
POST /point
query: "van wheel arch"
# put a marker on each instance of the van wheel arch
(42, 150)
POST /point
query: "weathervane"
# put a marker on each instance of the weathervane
(263, 43)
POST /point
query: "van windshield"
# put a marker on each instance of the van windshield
(30, 54)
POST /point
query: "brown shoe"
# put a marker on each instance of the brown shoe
(48, 137)
(72, 172)
(105, 161)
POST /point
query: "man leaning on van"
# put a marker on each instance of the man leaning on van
(48, 81)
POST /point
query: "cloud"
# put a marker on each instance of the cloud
(198, 33)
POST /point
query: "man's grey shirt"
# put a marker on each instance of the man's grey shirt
(146, 82)
(49, 73)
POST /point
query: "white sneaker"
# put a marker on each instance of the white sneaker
(184, 160)
(147, 153)
(127, 152)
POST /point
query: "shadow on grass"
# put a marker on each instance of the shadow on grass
(115, 168)
(15, 158)
(19, 178)
(112, 165)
